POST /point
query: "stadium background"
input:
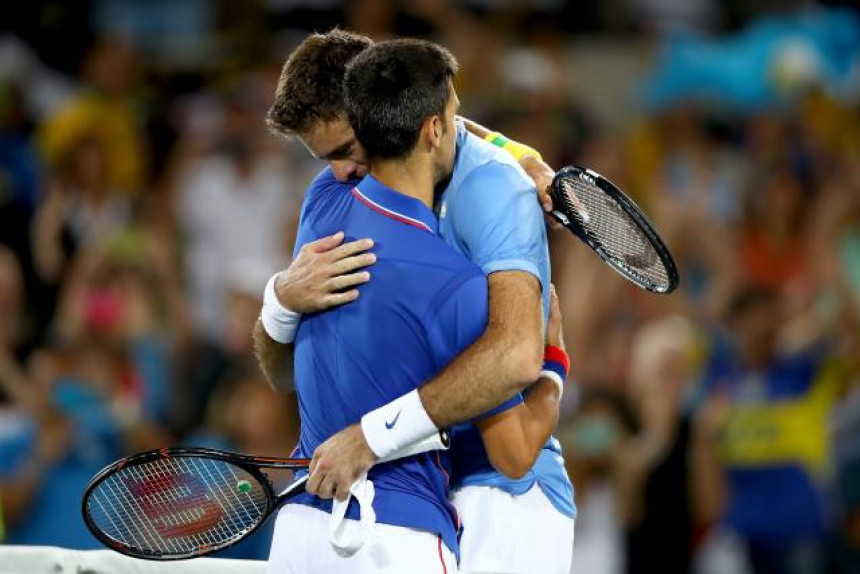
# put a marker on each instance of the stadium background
(143, 206)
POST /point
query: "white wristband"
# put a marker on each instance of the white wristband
(401, 422)
(555, 378)
(279, 322)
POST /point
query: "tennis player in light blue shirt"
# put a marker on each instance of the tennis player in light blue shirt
(488, 212)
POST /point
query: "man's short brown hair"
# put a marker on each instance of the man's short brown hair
(311, 83)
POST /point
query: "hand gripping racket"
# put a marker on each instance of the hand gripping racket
(176, 503)
(608, 221)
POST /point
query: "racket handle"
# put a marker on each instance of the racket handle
(437, 441)
(440, 440)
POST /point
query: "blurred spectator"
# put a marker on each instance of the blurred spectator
(845, 535)
(235, 203)
(653, 468)
(11, 304)
(207, 364)
(246, 415)
(591, 440)
(105, 108)
(772, 439)
(235, 199)
(79, 406)
(774, 241)
(18, 164)
(20, 180)
(80, 413)
(79, 209)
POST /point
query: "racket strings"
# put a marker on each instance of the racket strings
(177, 505)
(611, 228)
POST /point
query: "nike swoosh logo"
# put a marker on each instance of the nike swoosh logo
(390, 425)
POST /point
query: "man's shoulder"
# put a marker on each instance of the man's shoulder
(480, 159)
(324, 190)
(483, 168)
(326, 181)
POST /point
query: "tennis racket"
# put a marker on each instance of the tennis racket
(611, 224)
(177, 503)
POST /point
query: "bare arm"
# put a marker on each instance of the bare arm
(272, 357)
(46, 234)
(502, 362)
(514, 438)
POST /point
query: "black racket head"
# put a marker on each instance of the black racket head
(176, 503)
(611, 224)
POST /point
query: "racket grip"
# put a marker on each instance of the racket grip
(437, 441)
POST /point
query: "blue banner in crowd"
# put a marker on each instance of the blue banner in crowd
(763, 65)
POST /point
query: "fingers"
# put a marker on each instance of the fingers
(321, 481)
(343, 281)
(316, 477)
(323, 268)
(352, 263)
(341, 491)
(351, 248)
(325, 484)
(545, 199)
(326, 488)
(325, 243)
(335, 299)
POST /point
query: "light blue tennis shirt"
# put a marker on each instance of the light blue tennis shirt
(490, 214)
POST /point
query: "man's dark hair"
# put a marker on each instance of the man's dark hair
(391, 89)
(311, 83)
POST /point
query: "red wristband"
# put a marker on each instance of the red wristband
(558, 355)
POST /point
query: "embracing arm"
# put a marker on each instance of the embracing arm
(505, 359)
(272, 357)
(502, 362)
(514, 438)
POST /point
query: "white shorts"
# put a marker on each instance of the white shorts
(506, 534)
(301, 545)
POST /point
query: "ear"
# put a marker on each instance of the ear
(433, 130)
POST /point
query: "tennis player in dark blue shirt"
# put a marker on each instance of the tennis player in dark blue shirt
(425, 305)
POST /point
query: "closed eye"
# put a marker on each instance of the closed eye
(342, 152)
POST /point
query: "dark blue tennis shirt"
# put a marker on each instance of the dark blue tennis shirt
(425, 304)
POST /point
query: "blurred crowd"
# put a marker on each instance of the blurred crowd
(143, 206)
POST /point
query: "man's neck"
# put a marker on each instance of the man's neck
(409, 176)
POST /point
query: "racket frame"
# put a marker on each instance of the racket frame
(632, 210)
(250, 464)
